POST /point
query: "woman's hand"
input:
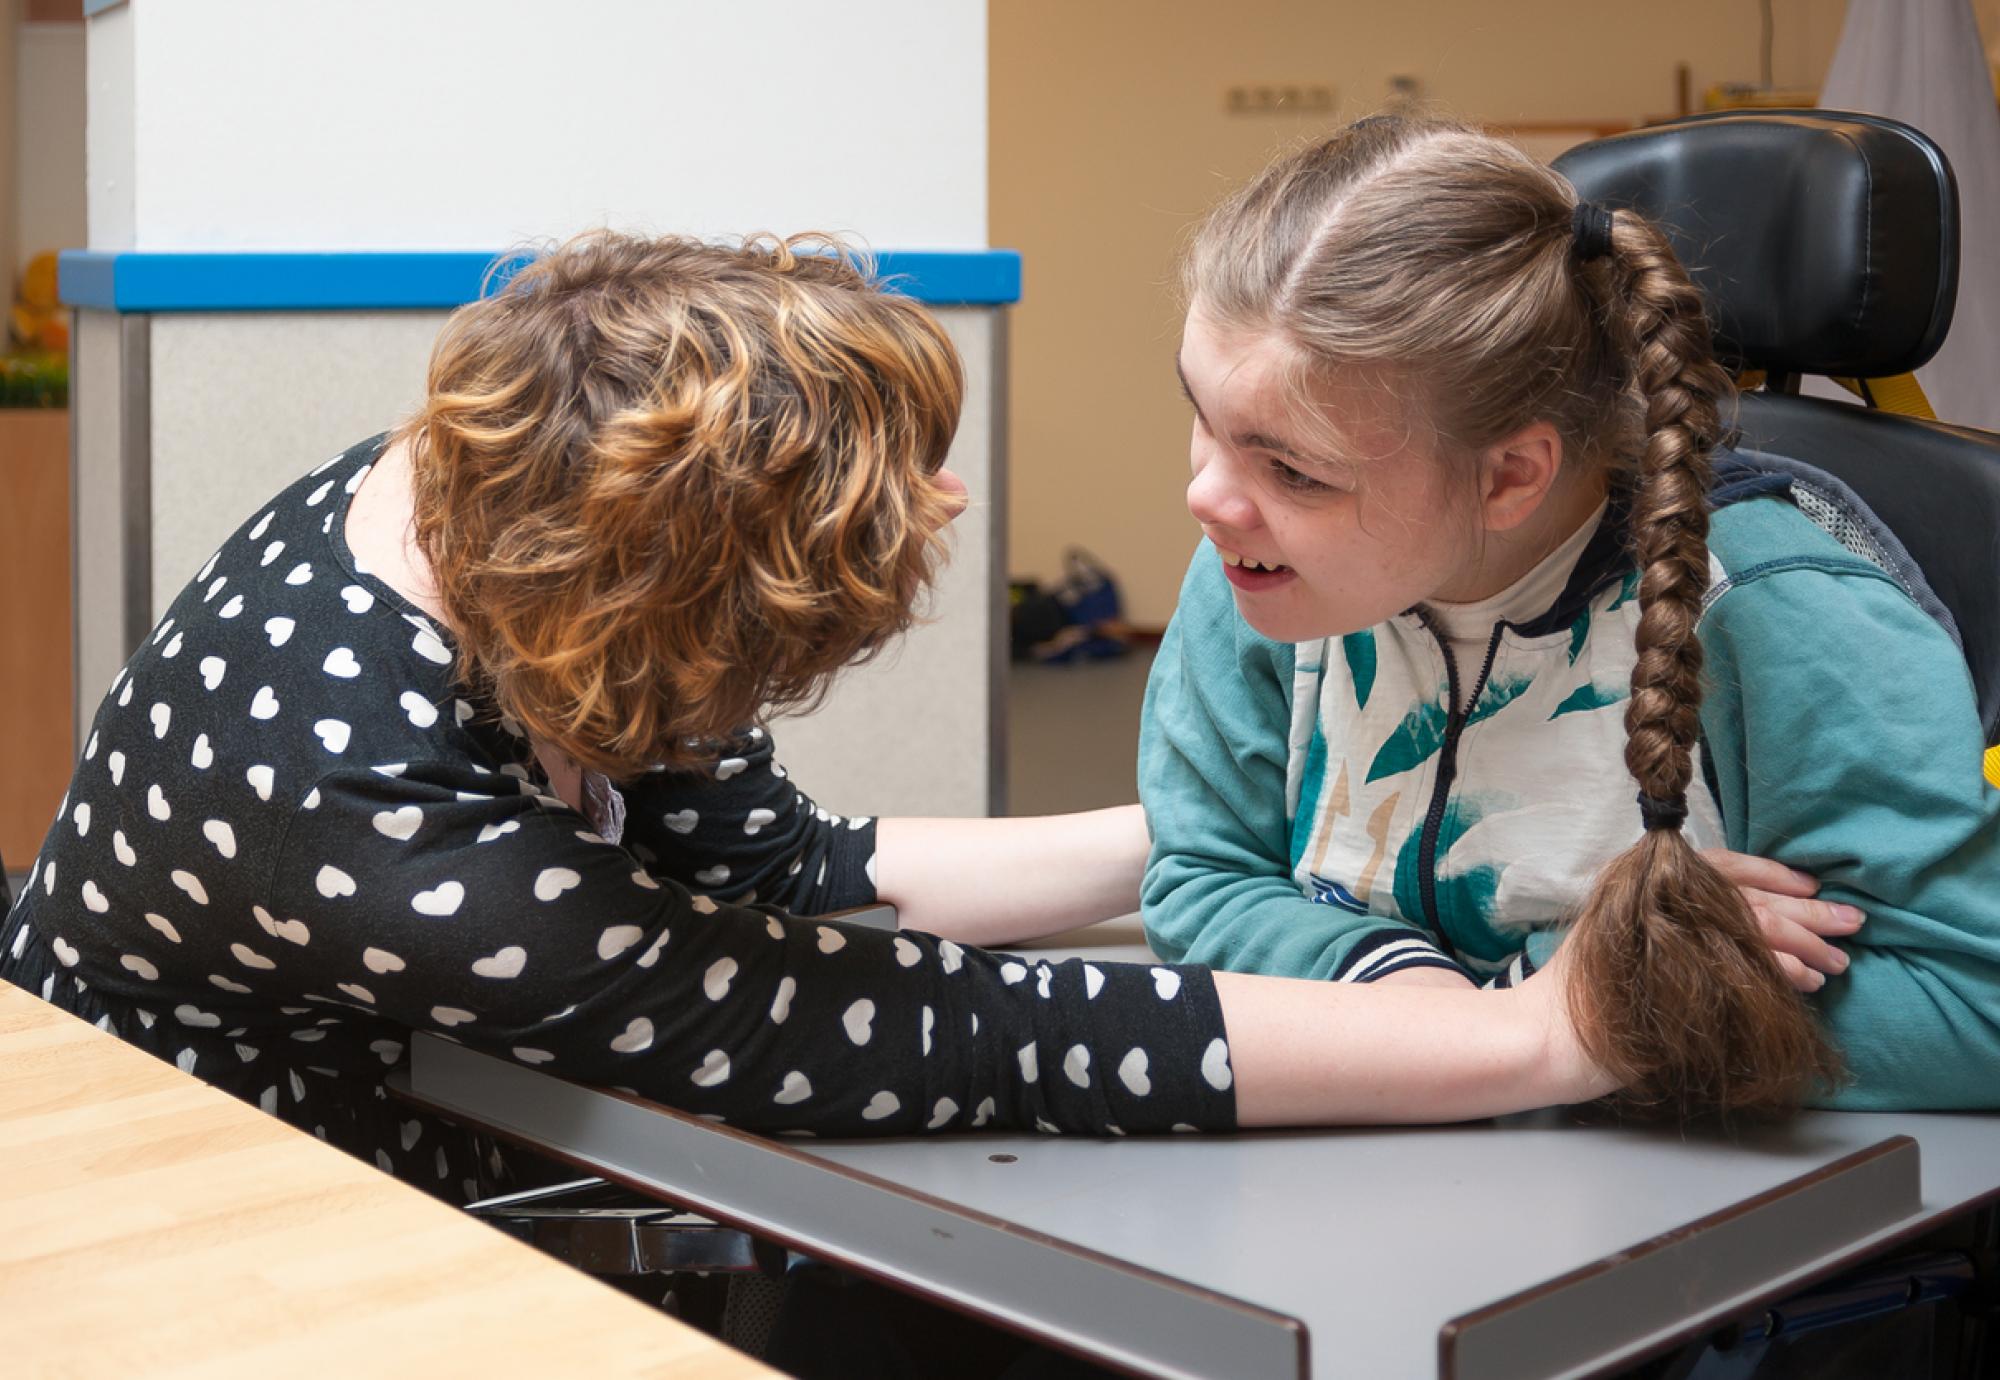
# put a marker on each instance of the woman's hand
(1795, 925)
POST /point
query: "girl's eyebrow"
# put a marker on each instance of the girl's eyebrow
(1249, 440)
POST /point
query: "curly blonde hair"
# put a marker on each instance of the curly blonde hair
(665, 487)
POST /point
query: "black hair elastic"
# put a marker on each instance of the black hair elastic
(1590, 231)
(1656, 813)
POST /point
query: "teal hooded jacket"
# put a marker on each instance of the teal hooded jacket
(1840, 737)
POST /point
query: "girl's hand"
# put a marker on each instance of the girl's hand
(1795, 926)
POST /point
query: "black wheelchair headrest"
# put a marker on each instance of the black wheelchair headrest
(1825, 242)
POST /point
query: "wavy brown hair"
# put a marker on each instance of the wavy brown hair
(665, 487)
(1443, 258)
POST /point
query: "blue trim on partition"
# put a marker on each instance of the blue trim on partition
(389, 280)
(97, 7)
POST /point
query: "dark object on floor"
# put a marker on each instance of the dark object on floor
(1079, 619)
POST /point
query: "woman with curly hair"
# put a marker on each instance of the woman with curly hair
(450, 737)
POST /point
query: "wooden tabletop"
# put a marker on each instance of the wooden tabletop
(151, 1225)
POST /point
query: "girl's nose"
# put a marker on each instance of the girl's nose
(1217, 497)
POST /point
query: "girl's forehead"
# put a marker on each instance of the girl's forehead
(1256, 378)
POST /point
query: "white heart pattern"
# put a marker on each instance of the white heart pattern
(532, 1056)
(1076, 1066)
(356, 991)
(1167, 983)
(715, 982)
(203, 756)
(508, 963)
(95, 899)
(162, 716)
(232, 608)
(357, 599)
(195, 1016)
(950, 956)
(421, 711)
(66, 953)
(250, 958)
(442, 900)
(831, 941)
(213, 669)
(219, 833)
(1215, 1065)
(907, 954)
(638, 1035)
(728, 767)
(554, 881)
(333, 734)
(490, 832)
(191, 884)
(121, 849)
(132, 963)
(682, 822)
(781, 1005)
(300, 574)
(116, 761)
(164, 926)
(340, 662)
(263, 525)
(380, 961)
(945, 1110)
(713, 876)
(858, 1021)
(714, 1068)
(427, 646)
(271, 553)
(450, 1015)
(1093, 981)
(261, 779)
(264, 705)
(796, 1088)
(81, 814)
(883, 1104)
(332, 883)
(279, 630)
(292, 931)
(617, 940)
(757, 820)
(400, 824)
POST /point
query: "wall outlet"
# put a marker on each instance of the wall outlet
(1279, 98)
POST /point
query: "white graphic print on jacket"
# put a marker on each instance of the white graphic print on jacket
(1481, 832)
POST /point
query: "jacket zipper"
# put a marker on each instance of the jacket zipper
(1447, 762)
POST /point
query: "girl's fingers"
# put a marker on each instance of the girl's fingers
(1802, 978)
(1786, 937)
(1748, 871)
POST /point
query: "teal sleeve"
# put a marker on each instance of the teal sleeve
(1845, 742)
(1212, 750)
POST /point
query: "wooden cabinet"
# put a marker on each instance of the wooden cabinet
(37, 731)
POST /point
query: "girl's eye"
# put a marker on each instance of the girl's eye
(1294, 481)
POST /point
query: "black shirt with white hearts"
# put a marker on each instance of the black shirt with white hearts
(293, 838)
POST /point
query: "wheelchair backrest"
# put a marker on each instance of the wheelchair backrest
(1827, 243)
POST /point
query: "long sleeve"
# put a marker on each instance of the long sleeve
(1845, 742)
(1212, 749)
(443, 900)
(742, 830)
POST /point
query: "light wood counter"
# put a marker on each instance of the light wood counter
(151, 1225)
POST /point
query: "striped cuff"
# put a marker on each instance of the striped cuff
(1389, 951)
(1514, 974)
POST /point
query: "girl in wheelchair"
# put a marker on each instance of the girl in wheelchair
(1469, 578)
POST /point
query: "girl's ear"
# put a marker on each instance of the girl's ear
(1516, 474)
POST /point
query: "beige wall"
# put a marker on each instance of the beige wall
(1109, 135)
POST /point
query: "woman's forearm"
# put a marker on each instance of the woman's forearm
(1316, 1053)
(1001, 881)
